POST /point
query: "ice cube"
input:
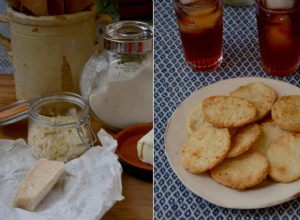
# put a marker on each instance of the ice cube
(187, 28)
(203, 11)
(185, 2)
(194, 2)
(279, 4)
(207, 21)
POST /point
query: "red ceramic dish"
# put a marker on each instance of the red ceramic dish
(127, 150)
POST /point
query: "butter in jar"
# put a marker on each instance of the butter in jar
(59, 127)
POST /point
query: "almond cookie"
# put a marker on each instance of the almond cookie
(244, 138)
(241, 172)
(284, 158)
(204, 149)
(228, 111)
(286, 112)
(270, 131)
(260, 94)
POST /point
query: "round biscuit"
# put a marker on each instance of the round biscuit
(260, 94)
(204, 149)
(270, 131)
(284, 158)
(196, 120)
(228, 111)
(244, 138)
(286, 112)
(241, 172)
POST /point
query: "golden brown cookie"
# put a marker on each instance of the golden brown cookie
(286, 112)
(204, 149)
(228, 111)
(244, 138)
(284, 158)
(260, 94)
(241, 172)
(196, 120)
(270, 131)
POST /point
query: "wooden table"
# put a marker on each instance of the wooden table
(137, 204)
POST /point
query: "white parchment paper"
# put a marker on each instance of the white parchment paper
(89, 187)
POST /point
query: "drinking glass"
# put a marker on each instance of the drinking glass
(278, 24)
(201, 25)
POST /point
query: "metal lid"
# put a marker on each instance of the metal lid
(131, 37)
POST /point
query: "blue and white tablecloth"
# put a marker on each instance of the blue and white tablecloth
(5, 65)
(174, 81)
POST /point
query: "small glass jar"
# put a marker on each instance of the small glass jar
(59, 127)
(117, 80)
(238, 2)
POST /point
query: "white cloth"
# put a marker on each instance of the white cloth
(90, 186)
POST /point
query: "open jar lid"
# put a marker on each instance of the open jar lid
(130, 37)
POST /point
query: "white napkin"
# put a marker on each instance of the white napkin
(90, 186)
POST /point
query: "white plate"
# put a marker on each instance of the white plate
(263, 195)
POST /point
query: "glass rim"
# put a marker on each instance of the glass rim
(129, 36)
(56, 97)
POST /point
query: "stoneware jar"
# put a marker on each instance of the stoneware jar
(48, 52)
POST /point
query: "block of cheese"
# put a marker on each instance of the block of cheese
(145, 148)
(37, 183)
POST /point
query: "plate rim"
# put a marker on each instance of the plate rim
(185, 101)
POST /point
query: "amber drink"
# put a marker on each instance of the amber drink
(200, 25)
(278, 23)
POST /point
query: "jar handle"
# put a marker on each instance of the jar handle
(106, 19)
(86, 122)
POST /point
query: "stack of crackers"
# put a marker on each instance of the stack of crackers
(245, 136)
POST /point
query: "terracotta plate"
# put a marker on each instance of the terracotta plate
(127, 151)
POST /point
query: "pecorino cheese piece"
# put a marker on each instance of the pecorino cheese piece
(145, 148)
(37, 183)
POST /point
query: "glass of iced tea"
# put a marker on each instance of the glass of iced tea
(278, 23)
(200, 25)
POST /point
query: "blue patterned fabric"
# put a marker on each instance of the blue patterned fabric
(5, 65)
(174, 81)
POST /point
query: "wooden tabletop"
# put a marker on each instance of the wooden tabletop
(138, 202)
